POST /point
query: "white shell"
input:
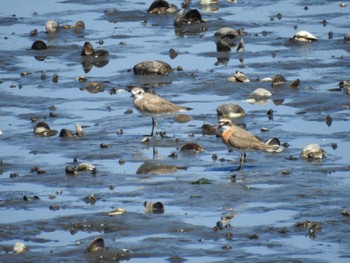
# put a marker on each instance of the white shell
(51, 26)
(304, 36)
(313, 151)
(19, 248)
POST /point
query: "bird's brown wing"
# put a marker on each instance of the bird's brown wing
(242, 139)
(157, 105)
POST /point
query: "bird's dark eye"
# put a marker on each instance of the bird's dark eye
(139, 92)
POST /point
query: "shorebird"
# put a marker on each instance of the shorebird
(239, 139)
(154, 106)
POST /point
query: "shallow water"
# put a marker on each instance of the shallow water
(265, 204)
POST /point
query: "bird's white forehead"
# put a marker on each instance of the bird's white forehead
(136, 91)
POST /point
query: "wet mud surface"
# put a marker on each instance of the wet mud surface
(282, 208)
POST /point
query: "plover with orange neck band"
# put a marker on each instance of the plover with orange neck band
(239, 139)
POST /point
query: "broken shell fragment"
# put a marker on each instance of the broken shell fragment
(118, 211)
(79, 130)
(157, 207)
(96, 245)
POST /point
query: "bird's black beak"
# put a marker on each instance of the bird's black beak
(220, 125)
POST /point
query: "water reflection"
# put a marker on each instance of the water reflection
(89, 62)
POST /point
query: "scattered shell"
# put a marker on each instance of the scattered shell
(347, 37)
(328, 120)
(230, 110)
(172, 53)
(313, 151)
(117, 211)
(38, 170)
(71, 170)
(273, 141)
(55, 78)
(65, 133)
(161, 7)
(238, 77)
(345, 212)
(294, 83)
(25, 73)
(91, 199)
(278, 80)
(154, 67)
(86, 167)
(157, 207)
(105, 145)
(79, 25)
(51, 26)
(260, 92)
(208, 130)
(88, 50)
(43, 129)
(344, 84)
(190, 17)
(79, 130)
(304, 36)
(96, 245)
(19, 248)
(192, 147)
(39, 45)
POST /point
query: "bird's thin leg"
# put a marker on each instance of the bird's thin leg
(154, 126)
(242, 160)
